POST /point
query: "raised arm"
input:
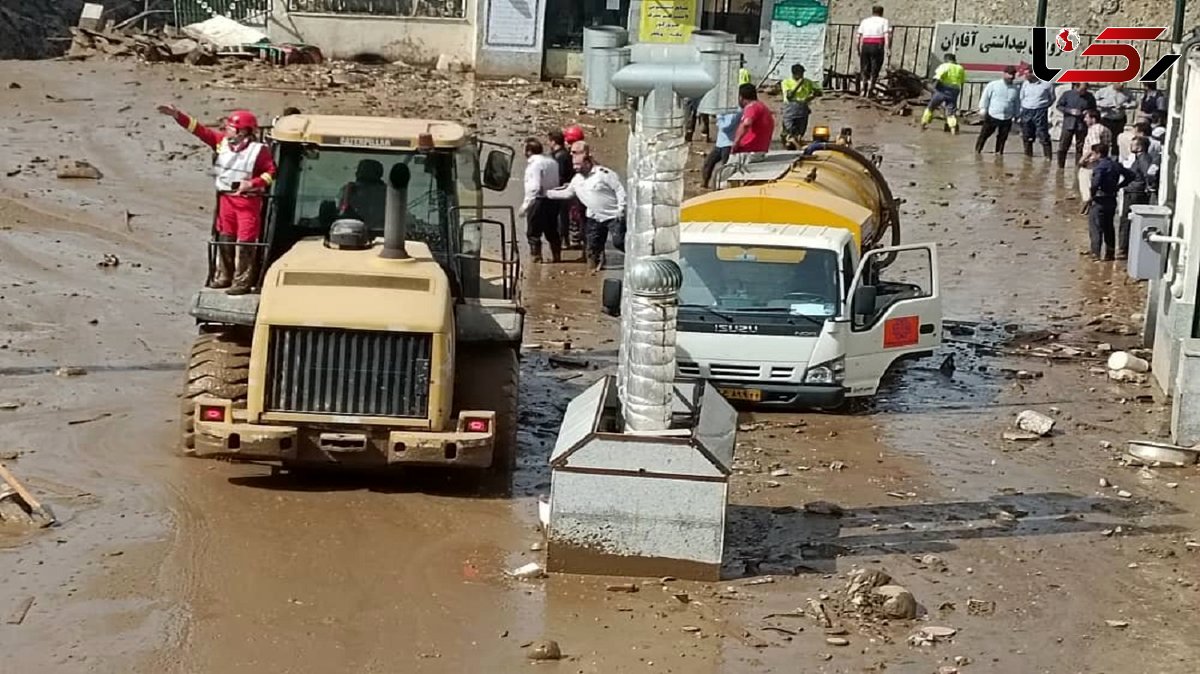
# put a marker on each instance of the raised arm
(210, 137)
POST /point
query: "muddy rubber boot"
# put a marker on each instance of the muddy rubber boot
(246, 272)
(535, 252)
(223, 275)
(1029, 149)
(555, 252)
(926, 118)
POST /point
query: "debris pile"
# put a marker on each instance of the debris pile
(872, 593)
(18, 506)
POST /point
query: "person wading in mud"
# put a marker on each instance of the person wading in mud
(244, 172)
(541, 214)
(601, 192)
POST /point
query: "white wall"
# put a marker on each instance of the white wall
(343, 36)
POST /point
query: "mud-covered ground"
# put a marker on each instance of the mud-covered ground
(165, 564)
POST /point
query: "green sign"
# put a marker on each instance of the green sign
(801, 12)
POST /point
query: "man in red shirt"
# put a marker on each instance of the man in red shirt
(758, 124)
(244, 172)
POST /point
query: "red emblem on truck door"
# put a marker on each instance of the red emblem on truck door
(902, 331)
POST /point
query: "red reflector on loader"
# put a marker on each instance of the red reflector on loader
(477, 425)
(212, 413)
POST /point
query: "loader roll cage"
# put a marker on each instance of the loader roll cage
(445, 208)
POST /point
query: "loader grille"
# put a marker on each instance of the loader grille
(351, 372)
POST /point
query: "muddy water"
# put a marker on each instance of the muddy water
(171, 565)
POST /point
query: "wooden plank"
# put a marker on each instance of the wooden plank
(17, 615)
(34, 506)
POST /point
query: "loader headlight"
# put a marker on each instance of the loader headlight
(821, 133)
(831, 372)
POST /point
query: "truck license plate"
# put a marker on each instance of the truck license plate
(751, 394)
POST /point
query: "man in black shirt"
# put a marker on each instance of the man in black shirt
(1108, 178)
(1072, 104)
(567, 233)
(1140, 190)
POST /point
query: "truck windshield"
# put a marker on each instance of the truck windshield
(796, 281)
(331, 183)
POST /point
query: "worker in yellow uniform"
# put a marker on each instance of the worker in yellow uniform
(798, 91)
(744, 76)
(948, 82)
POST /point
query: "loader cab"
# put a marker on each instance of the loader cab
(333, 168)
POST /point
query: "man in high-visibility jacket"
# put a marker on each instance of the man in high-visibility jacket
(244, 171)
(948, 82)
(798, 91)
(744, 76)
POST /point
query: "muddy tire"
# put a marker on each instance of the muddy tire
(487, 378)
(219, 366)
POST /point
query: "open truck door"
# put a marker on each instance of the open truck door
(894, 310)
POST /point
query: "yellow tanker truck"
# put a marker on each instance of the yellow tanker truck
(796, 288)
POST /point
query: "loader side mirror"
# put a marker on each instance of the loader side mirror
(863, 302)
(497, 170)
(611, 296)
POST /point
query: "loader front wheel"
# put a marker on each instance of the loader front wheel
(218, 366)
(488, 378)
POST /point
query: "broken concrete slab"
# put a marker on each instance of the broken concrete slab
(1035, 422)
(77, 169)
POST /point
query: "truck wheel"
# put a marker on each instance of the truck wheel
(219, 366)
(488, 379)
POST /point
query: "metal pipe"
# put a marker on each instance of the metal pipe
(395, 220)
(1040, 22)
(657, 159)
(885, 192)
(1177, 25)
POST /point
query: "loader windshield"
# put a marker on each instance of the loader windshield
(767, 279)
(325, 184)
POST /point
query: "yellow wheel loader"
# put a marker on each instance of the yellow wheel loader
(386, 321)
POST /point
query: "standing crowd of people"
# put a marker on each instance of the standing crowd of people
(570, 200)
(1116, 163)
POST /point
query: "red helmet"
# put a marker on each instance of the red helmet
(242, 119)
(573, 134)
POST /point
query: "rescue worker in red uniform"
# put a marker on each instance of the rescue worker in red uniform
(244, 171)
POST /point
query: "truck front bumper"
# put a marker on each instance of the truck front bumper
(782, 395)
(329, 444)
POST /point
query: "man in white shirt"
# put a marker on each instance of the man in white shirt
(873, 41)
(600, 191)
(541, 214)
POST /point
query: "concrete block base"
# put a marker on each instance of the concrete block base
(641, 504)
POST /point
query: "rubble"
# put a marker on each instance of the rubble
(546, 649)
(530, 570)
(927, 636)
(823, 508)
(897, 602)
(77, 169)
(1035, 422)
(18, 506)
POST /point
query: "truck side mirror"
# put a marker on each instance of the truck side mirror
(497, 170)
(863, 302)
(611, 296)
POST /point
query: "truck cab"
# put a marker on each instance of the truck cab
(794, 315)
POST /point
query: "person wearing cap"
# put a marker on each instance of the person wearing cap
(948, 82)
(1037, 97)
(1113, 101)
(568, 232)
(574, 210)
(998, 106)
(798, 91)
(245, 172)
